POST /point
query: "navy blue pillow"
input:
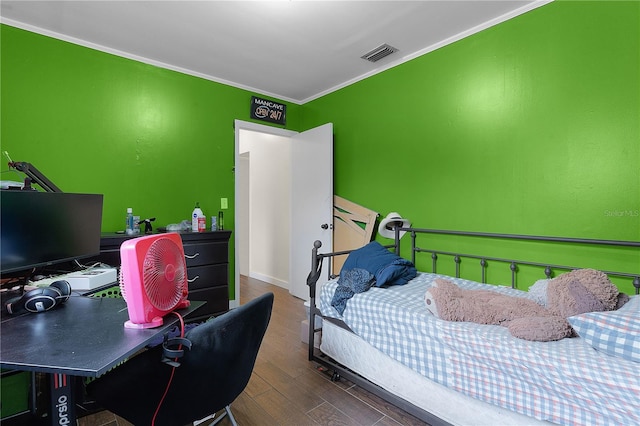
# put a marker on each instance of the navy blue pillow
(387, 267)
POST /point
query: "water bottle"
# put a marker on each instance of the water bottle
(130, 228)
(198, 221)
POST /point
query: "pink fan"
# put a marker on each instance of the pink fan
(153, 278)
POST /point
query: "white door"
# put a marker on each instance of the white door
(311, 202)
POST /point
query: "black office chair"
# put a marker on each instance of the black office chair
(210, 377)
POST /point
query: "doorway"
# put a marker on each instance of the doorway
(283, 182)
(262, 209)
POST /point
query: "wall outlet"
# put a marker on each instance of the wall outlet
(224, 203)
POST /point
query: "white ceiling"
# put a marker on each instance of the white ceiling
(293, 50)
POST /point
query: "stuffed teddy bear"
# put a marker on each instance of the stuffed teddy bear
(572, 293)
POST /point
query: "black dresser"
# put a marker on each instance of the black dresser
(207, 256)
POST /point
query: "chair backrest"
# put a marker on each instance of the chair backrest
(211, 375)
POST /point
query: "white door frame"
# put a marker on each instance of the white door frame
(238, 126)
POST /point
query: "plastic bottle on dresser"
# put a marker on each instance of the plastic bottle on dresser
(130, 228)
(198, 220)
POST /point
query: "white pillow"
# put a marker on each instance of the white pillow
(539, 292)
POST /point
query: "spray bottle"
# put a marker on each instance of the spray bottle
(198, 221)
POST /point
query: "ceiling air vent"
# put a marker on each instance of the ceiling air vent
(379, 53)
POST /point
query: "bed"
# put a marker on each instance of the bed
(444, 372)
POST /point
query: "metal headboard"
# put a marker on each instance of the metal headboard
(483, 261)
(513, 264)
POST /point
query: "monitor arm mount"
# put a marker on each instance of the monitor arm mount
(33, 175)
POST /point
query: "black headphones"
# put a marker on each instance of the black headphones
(40, 299)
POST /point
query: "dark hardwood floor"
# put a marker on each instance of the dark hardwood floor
(285, 388)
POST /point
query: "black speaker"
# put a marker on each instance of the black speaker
(40, 299)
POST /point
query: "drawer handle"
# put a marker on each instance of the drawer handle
(192, 257)
(193, 279)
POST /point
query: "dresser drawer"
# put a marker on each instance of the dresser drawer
(208, 276)
(217, 299)
(206, 253)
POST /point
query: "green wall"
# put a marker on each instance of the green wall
(529, 127)
(147, 138)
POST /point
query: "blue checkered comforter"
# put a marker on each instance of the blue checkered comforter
(564, 382)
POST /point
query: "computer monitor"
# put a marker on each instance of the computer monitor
(39, 229)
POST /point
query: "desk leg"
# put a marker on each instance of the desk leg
(63, 407)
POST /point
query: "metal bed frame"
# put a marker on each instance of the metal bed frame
(315, 355)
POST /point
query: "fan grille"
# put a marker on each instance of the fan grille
(164, 274)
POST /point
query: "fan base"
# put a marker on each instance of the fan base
(156, 322)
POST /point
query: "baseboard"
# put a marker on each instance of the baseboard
(270, 280)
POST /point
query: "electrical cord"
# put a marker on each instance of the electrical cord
(173, 365)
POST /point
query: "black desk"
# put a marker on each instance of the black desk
(84, 337)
